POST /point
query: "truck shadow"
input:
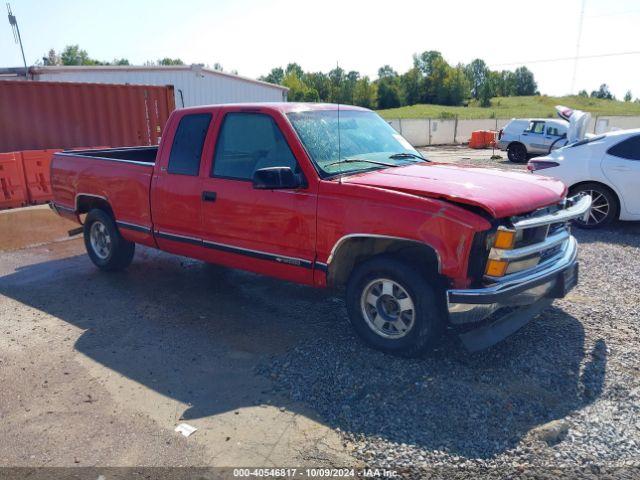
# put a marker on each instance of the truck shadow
(220, 340)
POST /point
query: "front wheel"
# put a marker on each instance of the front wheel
(107, 249)
(604, 206)
(393, 307)
(517, 153)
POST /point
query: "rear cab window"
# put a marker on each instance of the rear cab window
(186, 150)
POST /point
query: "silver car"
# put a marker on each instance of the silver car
(525, 138)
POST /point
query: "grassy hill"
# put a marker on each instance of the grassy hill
(509, 107)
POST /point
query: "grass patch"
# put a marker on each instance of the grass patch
(520, 107)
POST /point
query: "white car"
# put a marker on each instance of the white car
(607, 167)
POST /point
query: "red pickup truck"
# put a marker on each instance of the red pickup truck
(334, 197)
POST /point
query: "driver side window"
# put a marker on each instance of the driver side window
(248, 142)
(536, 127)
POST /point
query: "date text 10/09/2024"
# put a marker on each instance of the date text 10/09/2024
(314, 473)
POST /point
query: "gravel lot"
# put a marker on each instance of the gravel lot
(564, 392)
(463, 155)
(559, 398)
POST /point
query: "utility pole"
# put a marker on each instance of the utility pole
(575, 62)
(16, 36)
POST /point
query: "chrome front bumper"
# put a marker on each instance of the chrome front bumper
(525, 292)
(528, 286)
(475, 304)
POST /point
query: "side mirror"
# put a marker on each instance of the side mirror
(274, 178)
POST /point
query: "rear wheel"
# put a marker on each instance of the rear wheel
(107, 249)
(604, 206)
(517, 153)
(393, 307)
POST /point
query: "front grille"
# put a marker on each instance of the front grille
(533, 235)
(550, 253)
(537, 242)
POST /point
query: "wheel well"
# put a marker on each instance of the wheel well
(572, 189)
(355, 250)
(516, 143)
(86, 203)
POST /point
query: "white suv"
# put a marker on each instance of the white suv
(525, 138)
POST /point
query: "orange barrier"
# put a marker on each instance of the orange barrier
(25, 177)
(13, 191)
(482, 139)
(491, 138)
(36, 165)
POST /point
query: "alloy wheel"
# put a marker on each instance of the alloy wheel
(100, 240)
(388, 308)
(599, 209)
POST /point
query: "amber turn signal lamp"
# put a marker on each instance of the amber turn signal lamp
(505, 239)
(496, 268)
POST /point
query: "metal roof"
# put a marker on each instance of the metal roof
(136, 68)
(284, 107)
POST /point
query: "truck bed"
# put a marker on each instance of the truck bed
(118, 177)
(145, 155)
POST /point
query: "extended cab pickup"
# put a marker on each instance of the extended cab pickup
(334, 197)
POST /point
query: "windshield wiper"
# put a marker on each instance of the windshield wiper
(358, 160)
(408, 155)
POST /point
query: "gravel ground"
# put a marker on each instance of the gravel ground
(559, 398)
(462, 154)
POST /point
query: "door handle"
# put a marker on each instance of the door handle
(209, 196)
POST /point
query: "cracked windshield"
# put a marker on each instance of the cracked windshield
(365, 142)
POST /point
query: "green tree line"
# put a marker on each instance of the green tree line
(74, 55)
(431, 80)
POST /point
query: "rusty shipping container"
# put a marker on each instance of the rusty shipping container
(41, 115)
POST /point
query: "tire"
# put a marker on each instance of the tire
(379, 327)
(604, 208)
(517, 153)
(105, 246)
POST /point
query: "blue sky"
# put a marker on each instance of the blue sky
(251, 36)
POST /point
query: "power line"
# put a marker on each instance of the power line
(565, 59)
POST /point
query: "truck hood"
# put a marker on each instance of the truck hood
(501, 193)
(578, 122)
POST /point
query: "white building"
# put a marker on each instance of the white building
(194, 85)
